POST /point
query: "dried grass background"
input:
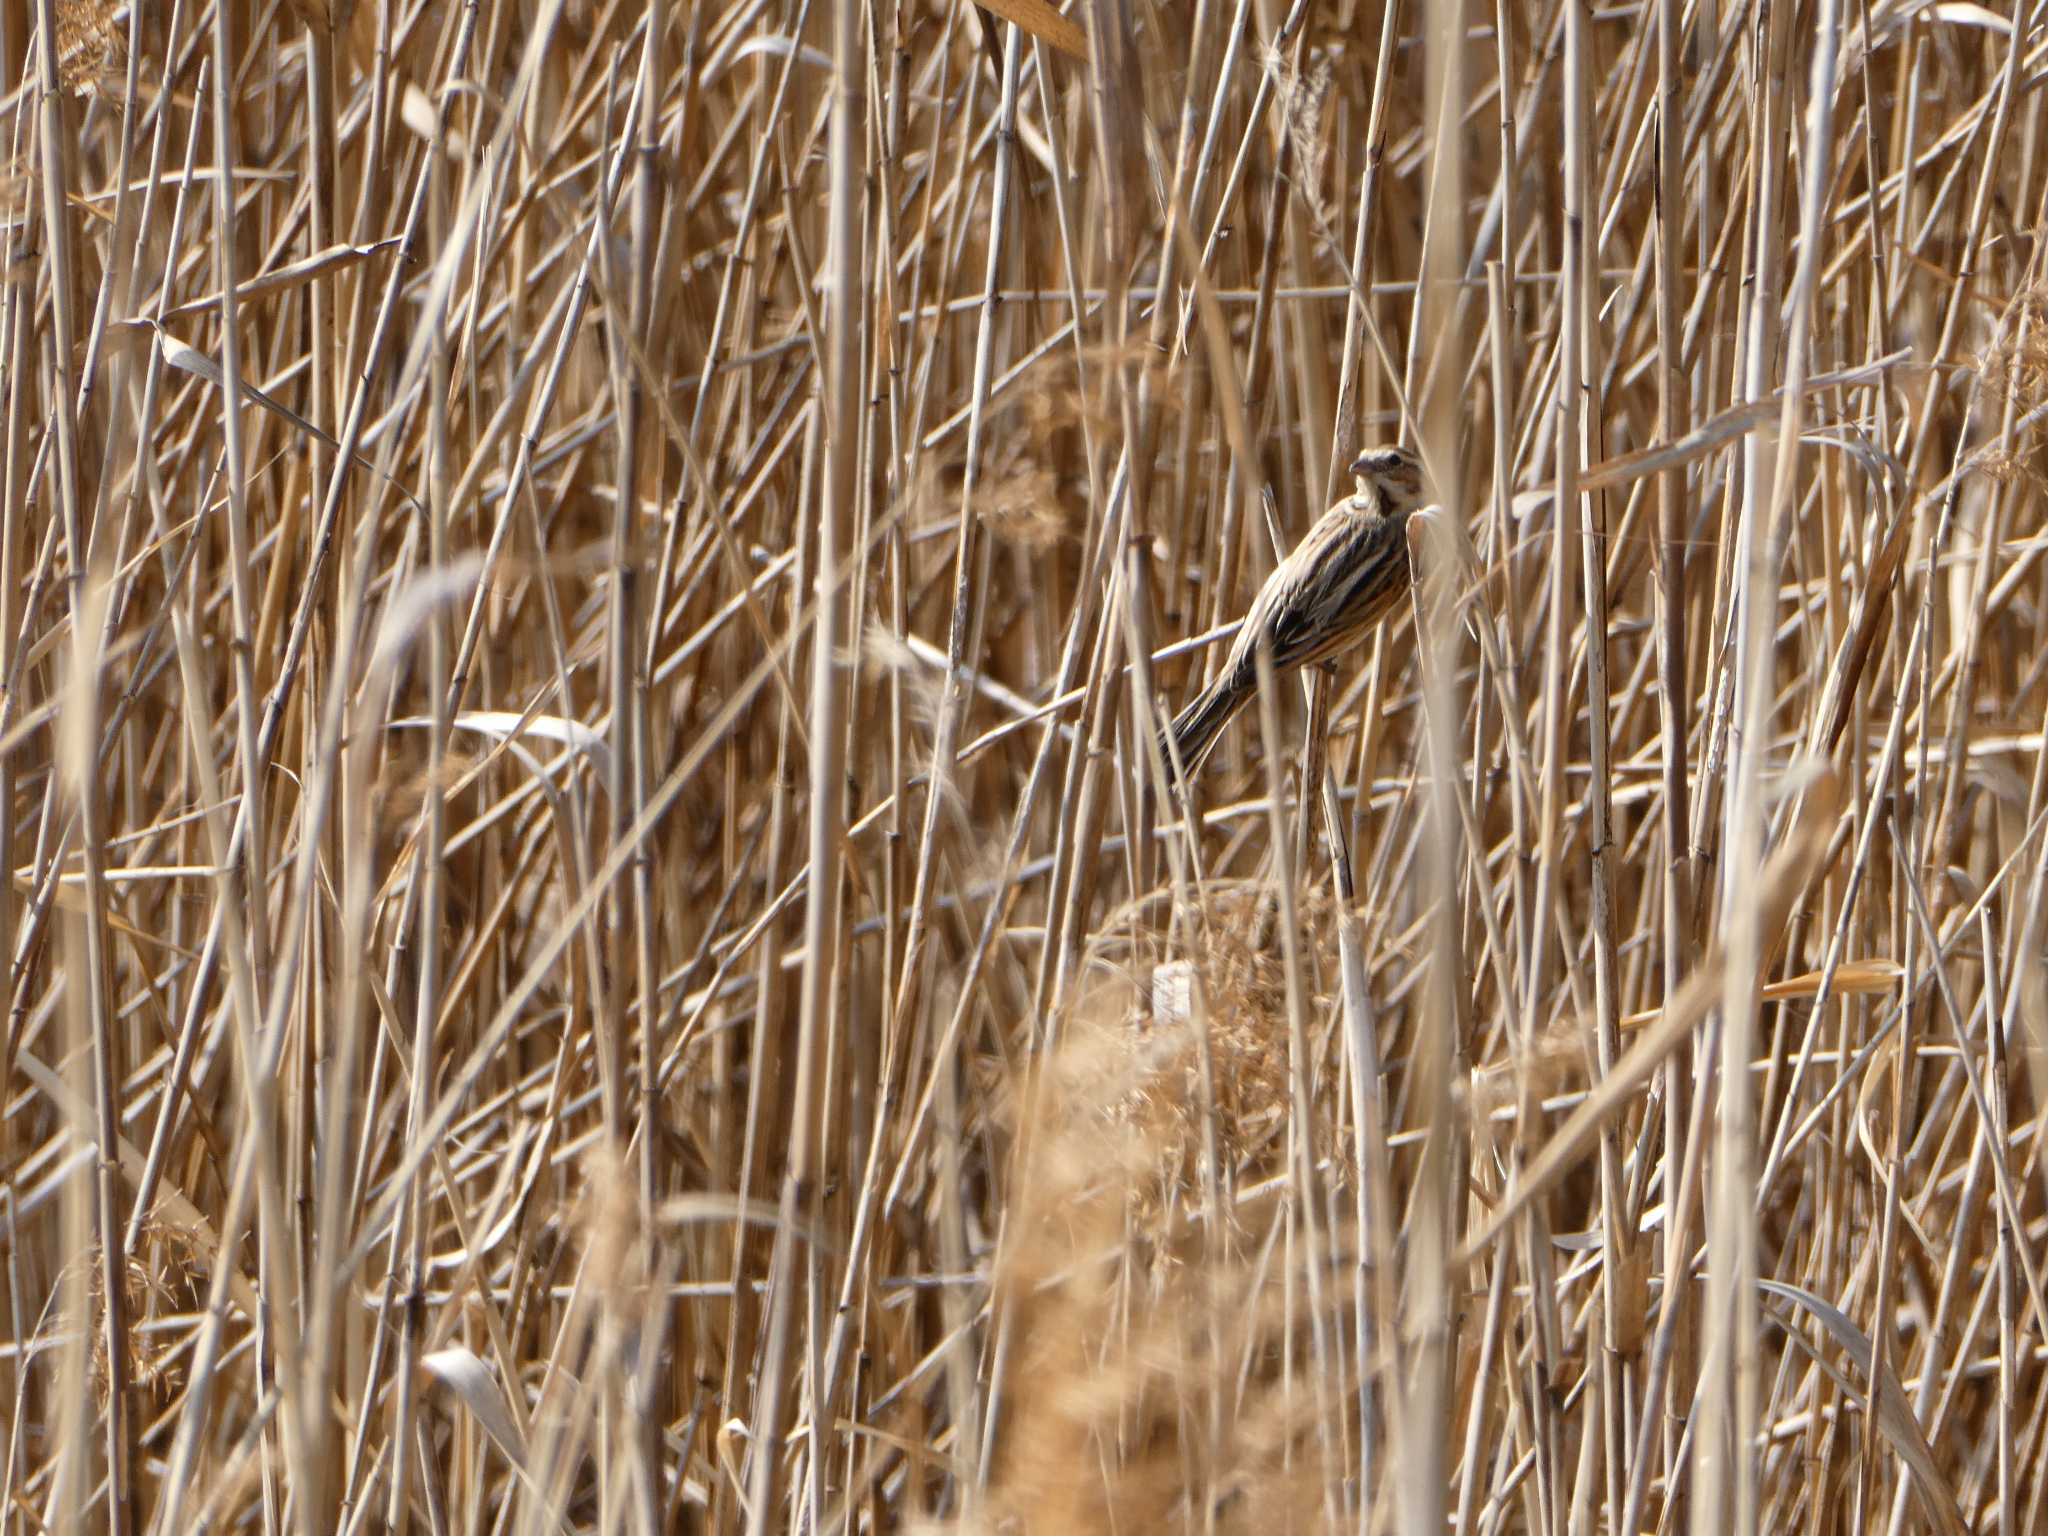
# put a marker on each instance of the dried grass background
(597, 938)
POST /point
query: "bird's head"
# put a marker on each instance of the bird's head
(1391, 473)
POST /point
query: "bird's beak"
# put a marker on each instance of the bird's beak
(1358, 465)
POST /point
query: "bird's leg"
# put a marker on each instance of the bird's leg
(1336, 832)
(1319, 684)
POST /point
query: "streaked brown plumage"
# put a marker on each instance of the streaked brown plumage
(1325, 597)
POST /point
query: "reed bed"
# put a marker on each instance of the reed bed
(599, 939)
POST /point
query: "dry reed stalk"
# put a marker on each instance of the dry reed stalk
(585, 596)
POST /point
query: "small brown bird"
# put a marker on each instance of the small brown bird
(1325, 597)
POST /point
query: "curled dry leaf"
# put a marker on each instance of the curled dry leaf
(465, 1375)
(1043, 22)
(509, 725)
(1887, 1399)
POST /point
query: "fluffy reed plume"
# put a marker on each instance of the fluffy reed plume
(586, 594)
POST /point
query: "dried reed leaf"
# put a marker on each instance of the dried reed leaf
(464, 1374)
(294, 274)
(1853, 978)
(1044, 22)
(1887, 1398)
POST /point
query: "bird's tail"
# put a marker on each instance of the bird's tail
(1195, 729)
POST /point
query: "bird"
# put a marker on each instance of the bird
(1339, 581)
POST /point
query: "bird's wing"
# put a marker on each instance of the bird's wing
(1351, 568)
